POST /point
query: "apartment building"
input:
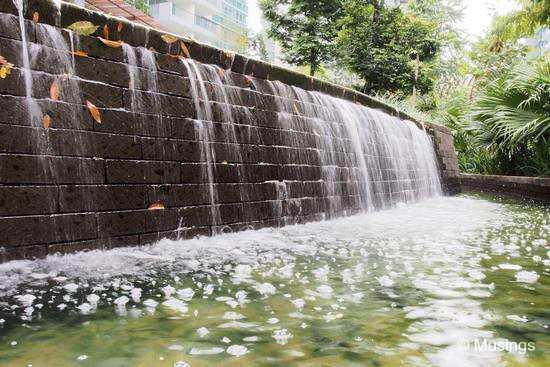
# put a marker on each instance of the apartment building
(221, 23)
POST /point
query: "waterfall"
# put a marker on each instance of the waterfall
(329, 153)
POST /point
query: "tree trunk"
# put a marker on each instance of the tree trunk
(416, 72)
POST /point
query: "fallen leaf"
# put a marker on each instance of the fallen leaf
(5, 62)
(112, 44)
(4, 72)
(168, 38)
(225, 162)
(35, 17)
(46, 121)
(119, 27)
(94, 112)
(156, 206)
(83, 27)
(185, 50)
(54, 90)
(106, 32)
(221, 74)
(79, 53)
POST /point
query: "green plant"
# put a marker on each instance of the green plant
(512, 119)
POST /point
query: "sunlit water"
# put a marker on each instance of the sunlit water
(396, 287)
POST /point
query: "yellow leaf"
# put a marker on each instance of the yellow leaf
(185, 50)
(168, 38)
(35, 17)
(47, 121)
(112, 44)
(106, 32)
(83, 27)
(54, 90)
(79, 53)
(156, 206)
(94, 112)
(4, 72)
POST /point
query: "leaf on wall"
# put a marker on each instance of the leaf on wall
(83, 27)
(94, 112)
(185, 50)
(106, 32)
(54, 90)
(79, 53)
(156, 206)
(109, 43)
(46, 121)
(168, 38)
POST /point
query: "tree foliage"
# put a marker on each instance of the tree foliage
(306, 29)
(380, 44)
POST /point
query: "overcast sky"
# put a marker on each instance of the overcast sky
(477, 16)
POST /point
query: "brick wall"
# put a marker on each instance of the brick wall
(82, 185)
(536, 188)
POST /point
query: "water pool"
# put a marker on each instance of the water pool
(453, 281)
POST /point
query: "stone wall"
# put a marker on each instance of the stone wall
(83, 185)
(536, 188)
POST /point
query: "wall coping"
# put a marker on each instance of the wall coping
(542, 181)
(138, 35)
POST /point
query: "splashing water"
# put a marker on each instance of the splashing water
(394, 287)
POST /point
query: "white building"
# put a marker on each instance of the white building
(221, 23)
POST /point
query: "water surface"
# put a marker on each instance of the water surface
(392, 288)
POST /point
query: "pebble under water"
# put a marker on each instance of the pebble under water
(410, 286)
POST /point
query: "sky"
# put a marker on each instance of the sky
(477, 17)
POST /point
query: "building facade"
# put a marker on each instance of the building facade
(221, 23)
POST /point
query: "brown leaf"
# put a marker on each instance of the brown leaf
(79, 53)
(54, 90)
(168, 38)
(221, 74)
(185, 50)
(156, 206)
(35, 17)
(225, 162)
(109, 43)
(106, 32)
(94, 112)
(5, 62)
(119, 27)
(46, 121)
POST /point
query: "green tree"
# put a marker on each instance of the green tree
(532, 15)
(257, 46)
(387, 48)
(306, 29)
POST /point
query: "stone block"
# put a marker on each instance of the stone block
(28, 200)
(76, 198)
(41, 229)
(23, 169)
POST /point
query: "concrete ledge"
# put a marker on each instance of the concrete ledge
(537, 188)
